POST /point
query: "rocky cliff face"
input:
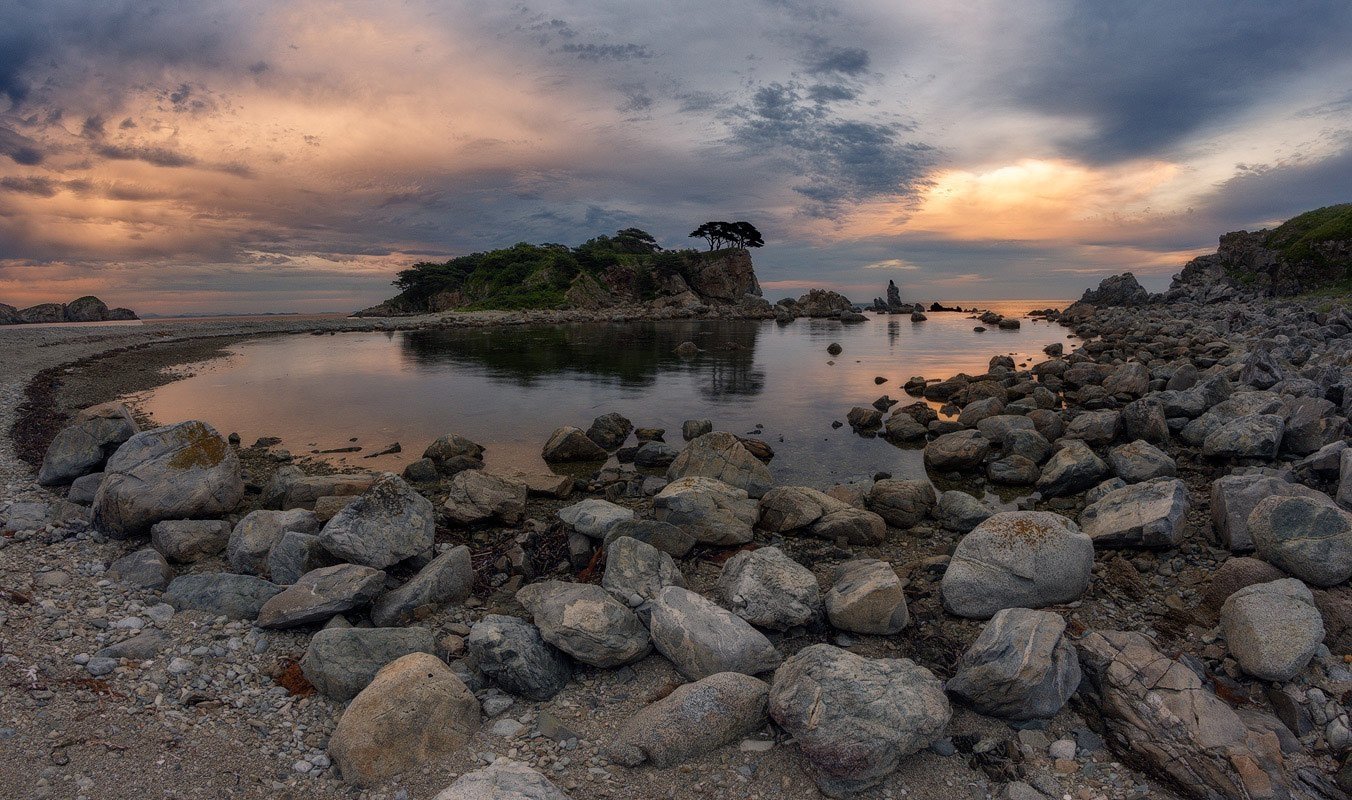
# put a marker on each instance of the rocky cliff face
(84, 309)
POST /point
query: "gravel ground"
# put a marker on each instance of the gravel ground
(207, 716)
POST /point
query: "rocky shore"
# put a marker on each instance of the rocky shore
(1165, 616)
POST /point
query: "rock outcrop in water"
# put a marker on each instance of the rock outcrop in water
(84, 309)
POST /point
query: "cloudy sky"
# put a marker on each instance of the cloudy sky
(276, 155)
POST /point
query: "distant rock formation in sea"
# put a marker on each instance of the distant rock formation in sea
(83, 309)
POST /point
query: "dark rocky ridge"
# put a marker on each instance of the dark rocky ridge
(84, 309)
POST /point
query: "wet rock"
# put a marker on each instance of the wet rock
(1233, 498)
(452, 453)
(296, 554)
(258, 533)
(855, 718)
(770, 590)
(788, 508)
(568, 444)
(694, 719)
(1308, 537)
(638, 570)
(1272, 629)
(585, 622)
(722, 456)
(474, 496)
(340, 662)
(1150, 514)
(655, 454)
(387, 524)
(187, 540)
(512, 653)
(1017, 559)
(957, 451)
(415, 710)
(961, 512)
(593, 517)
(864, 419)
(978, 410)
(1141, 461)
(1013, 470)
(1021, 667)
(504, 779)
(321, 594)
(1095, 427)
(1253, 436)
(83, 446)
(448, 578)
(903, 427)
(866, 596)
(1071, 469)
(695, 428)
(1027, 443)
(84, 488)
(183, 471)
(610, 430)
(145, 569)
(1145, 420)
(901, 503)
(220, 594)
(702, 639)
(710, 510)
(663, 535)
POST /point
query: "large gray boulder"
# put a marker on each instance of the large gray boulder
(1150, 514)
(1253, 436)
(957, 451)
(853, 526)
(1095, 427)
(770, 590)
(385, 525)
(296, 554)
(855, 718)
(340, 662)
(504, 779)
(1071, 469)
(321, 594)
(183, 471)
(636, 571)
(83, 446)
(258, 533)
(610, 430)
(448, 578)
(902, 503)
(711, 511)
(789, 508)
(663, 535)
(568, 444)
(702, 639)
(961, 512)
(475, 496)
(144, 569)
(188, 540)
(221, 594)
(584, 621)
(1145, 420)
(867, 596)
(722, 455)
(1233, 498)
(511, 652)
(1272, 629)
(1308, 537)
(694, 719)
(1141, 461)
(1017, 559)
(1021, 667)
(594, 517)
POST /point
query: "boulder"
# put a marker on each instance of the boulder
(1117, 290)
(1145, 420)
(1345, 479)
(770, 590)
(694, 719)
(585, 622)
(1071, 469)
(504, 779)
(1234, 574)
(1150, 514)
(476, 496)
(220, 594)
(296, 554)
(1017, 559)
(854, 718)
(1252, 436)
(86, 309)
(187, 540)
(144, 569)
(1272, 629)
(512, 653)
(655, 454)
(610, 430)
(1311, 423)
(663, 535)
(903, 427)
(258, 533)
(340, 662)
(183, 471)
(853, 526)
(959, 511)
(1308, 537)
(321, 594)
(1027, 443)
(711, 511)
(569, 444)
(415, 710)
(1141, 461)
(1128, 380)
(1095, 427)
(1021, 667)
(864, 419)
(999, 428)
(695, 428)
(1233, 498)
(385, 525)
(448, 578)
(84, 488)
(957, 451)
(901, 503)
(1013, 470)
(85, 445)
(452, 453)
(722, 456)
(866, 597)
(702, 639)
(788, 508)
(637, 571)
(593, 517)
(291, 488)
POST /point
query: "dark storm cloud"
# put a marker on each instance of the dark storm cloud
(1148, 74)
(18, 147)
(606, 52)
(1278, 191)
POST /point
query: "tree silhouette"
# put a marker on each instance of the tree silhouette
(729, 234)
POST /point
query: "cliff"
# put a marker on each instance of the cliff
(84, 309)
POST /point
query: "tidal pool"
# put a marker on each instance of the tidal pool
(509, 388)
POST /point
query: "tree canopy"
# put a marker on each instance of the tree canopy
(729, 234)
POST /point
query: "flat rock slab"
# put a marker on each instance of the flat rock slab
(702, 638)
(221, 593)
(1149, 514)
(321, 594)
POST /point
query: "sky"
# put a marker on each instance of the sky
(292, 155)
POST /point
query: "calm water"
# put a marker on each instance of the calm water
(508, 389)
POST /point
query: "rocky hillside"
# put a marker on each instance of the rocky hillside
(627, 269)
(1310, 252)
(84, 309)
